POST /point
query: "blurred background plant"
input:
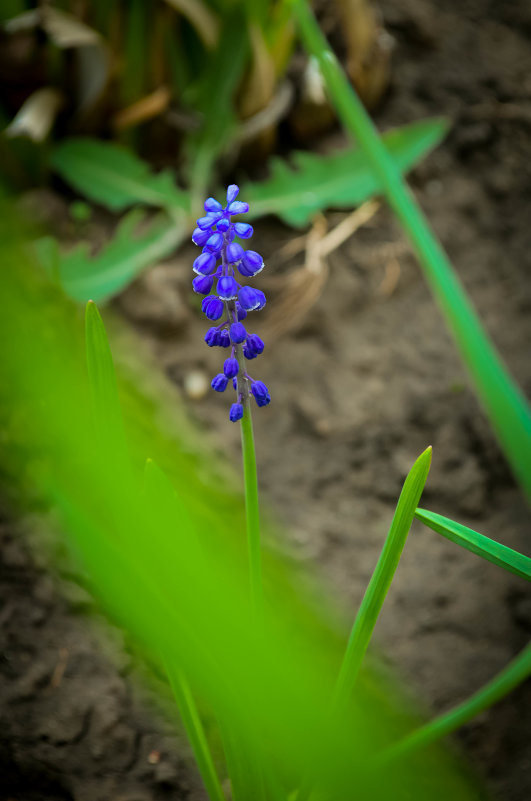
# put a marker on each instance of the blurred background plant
(203, 87)
(184, 81)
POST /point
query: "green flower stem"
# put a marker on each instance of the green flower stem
(251, 507)
(250, 478)
(509, 678)
(195, 732)
(506, 406)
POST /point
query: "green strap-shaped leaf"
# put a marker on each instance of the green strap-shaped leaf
(501, 685)
(103, 386)
(339, 180)
(160, 495)
(195, 732)
(114, 176)
(383, 575)
(375, 595)
(492, 551)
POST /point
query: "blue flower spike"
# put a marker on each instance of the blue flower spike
(223, 258)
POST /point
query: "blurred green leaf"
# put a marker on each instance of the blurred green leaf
(102, 381)
(492, 551)
(136, 50)
(214, 101)
(201, 17)
(339, 180)
(85, 277)
(80, 211)
(114, 176)
(269, 687)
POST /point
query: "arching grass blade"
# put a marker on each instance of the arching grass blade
(382, 577)
(509, 678)
(493, 551)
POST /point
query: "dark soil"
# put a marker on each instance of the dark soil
(366, 381)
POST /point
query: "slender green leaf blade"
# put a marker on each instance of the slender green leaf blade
(99, 277)
(501, 685)
(492, 551)
(102, 382)
(114, 176)
(195, 732)
(383, 575)
(338, 180)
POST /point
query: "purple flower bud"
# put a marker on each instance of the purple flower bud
(206, 222)
(253, 261)
(249, 298)
(261, 393)
(202, 284)
(223, 225)
(219, 382)
(211, 204)
(227, 288)
(255, 343)
(248, 353)
(237, 207)
(214, 243)
(199, 237)
(244, 230)
(230, 368)
(242, 314)
(224, 338)
(212, 337)
(213, 308)
(232, 192)
(236, 412)
(237, 333)
(262, 299)
(205, 264)
(234, 252)
(235, 382)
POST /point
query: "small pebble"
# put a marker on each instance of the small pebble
(196, 384)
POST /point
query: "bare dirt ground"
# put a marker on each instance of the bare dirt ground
(366, 381)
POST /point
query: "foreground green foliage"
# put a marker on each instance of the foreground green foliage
(173, 569)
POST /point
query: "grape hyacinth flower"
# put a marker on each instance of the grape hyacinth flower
(217, 269)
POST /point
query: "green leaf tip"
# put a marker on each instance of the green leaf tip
(382, 577)
(426, 454)
(416, 478)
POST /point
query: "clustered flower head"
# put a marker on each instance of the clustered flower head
(229, 301)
